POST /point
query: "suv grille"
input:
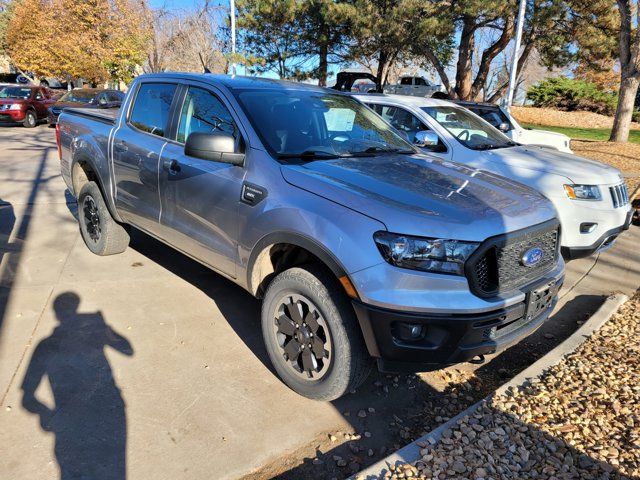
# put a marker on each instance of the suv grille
(619, 195)
(497, 266)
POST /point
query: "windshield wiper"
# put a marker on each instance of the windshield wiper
(308, 154)
(373, 150)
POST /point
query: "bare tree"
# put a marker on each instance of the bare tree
(629, 45)
(184, 40)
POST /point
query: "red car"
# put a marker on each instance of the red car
(26, 105)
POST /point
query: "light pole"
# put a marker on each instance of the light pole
(516, 50)
(232, 7)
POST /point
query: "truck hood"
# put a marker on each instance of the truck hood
(425, 196)
(538, 159)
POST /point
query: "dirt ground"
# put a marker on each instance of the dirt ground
(623, 156)
(557, 118)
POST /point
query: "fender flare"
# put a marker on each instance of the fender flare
(105, 194)
(299, 240)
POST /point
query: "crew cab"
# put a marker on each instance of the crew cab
(413, 86)
(502, 119)
(358, 245)
(590, 197)
(24, 105)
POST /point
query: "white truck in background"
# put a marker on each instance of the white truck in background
(414, 86)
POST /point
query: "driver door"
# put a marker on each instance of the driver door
(201, 198)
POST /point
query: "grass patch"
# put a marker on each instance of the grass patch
(596, 134)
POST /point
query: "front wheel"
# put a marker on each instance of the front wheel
(30, 119)
(311, 334)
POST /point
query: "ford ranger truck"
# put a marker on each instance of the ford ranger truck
(358, 245)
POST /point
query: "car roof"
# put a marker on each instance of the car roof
(403, 100)
(236, 82)
(466, 103)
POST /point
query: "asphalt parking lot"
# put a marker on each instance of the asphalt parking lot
(147, 365)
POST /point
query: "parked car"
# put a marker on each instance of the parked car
(590, 197)
(23, 104)
(502, 119)
(413, 86)
(357, 244)
(357, 82)
(85, 98)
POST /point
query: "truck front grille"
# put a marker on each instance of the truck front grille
(619, 195)
(497, 266)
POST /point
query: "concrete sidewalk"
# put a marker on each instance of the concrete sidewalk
(148, 364)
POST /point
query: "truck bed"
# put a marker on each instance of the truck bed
(102, 115)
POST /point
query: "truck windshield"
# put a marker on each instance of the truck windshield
(78, 96)
(15, 92)
(309, 125)
(469, 130)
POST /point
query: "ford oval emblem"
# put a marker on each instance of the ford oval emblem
(532, 257)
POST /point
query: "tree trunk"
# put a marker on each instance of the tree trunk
(323, 65)
(624, 111)
(383, 60)
(464, 68)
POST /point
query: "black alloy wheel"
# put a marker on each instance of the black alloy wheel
(303, 337)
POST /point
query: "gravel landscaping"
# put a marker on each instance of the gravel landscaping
(558, 118)
(579, 420)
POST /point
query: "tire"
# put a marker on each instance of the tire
(342, 362)
(30, 119)
(100, 232)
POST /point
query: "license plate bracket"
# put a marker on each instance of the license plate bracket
(540, 299)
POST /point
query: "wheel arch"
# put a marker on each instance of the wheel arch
(281, 250)
(83, 170)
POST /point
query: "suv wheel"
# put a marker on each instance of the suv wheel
(30, 119)
(311, 334)
(100, 232)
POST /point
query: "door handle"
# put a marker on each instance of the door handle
(172, 166)
(121, 147)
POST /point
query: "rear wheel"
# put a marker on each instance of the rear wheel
(100, 232)
(30, 119)
(311, 334)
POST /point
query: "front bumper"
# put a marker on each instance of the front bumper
(446, 339)
(12, 117)
(604, 242)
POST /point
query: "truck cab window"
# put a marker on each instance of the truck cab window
(203, 112)
(150, 111)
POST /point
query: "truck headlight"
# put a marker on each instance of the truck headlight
(16, 106)
(426, 254)
(583, 192)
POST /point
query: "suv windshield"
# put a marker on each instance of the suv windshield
(78, 96)
(309, 124)
(469, 130)
(15, 92)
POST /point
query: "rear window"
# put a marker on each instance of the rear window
(78, 96)
(150, 111)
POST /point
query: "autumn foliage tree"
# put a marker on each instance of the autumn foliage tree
(96, 40)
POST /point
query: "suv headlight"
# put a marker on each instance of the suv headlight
(426, 254)
(583, 192)
(17, 106)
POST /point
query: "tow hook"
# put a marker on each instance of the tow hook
(477, 360)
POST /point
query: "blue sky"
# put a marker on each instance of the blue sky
(181, 3)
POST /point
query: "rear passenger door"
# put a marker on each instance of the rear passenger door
(200, 198)
(137, 146)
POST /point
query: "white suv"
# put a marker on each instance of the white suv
(590, 197)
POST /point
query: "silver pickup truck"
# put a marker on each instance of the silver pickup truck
(358, 245)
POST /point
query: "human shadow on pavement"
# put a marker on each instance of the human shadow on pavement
(88, 418)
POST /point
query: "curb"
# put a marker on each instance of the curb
(411, 452)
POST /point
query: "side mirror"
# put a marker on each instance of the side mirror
(504, 127)
(425, 138)
(102, 101)
(216, 146)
